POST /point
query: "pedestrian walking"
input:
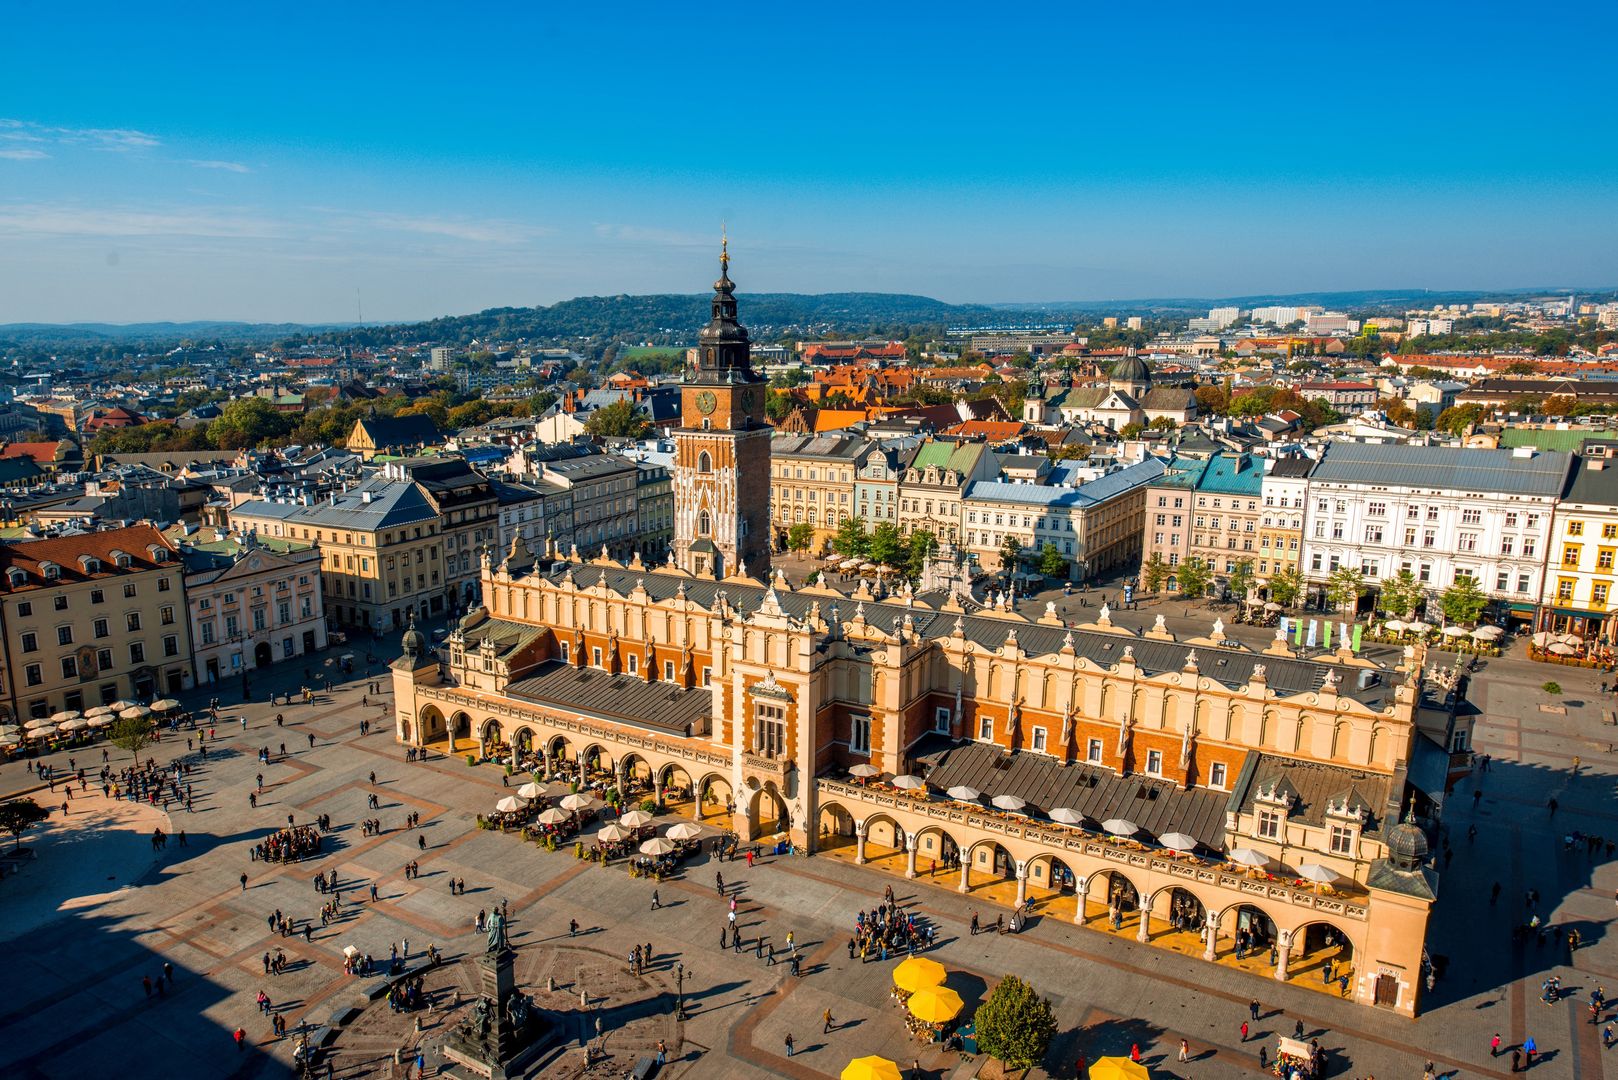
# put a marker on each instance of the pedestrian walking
(1244, 1031)
(241, 1038)
(1494, 1045)
(1252, 1010)
(826, 1026)
(1185, 1050)
(656, 902)
(789, 1044)
(244, 883)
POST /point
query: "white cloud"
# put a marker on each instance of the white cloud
(475, 231)
(24, 220)
(23, 154)
(117, 139)
(227, 166)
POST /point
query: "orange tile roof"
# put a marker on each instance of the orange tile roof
(989, 430)
(43, 452)
(64, 552)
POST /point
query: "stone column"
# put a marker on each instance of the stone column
(657, 789)
(1143, 932)
(1210, 947)
(1081, 888)
(966, 868)
(1022, 882)
(859, 843)
(1283, 947)
(910, 856)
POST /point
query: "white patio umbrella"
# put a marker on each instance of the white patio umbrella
(863, 770)
(351, 951)
(9, 742)
(1320, 875)
(635, 819)
(1486, 633)
(531, 790)
(685, 830)
(100, 710)
(1120, 826)
(1542, 639)
(657, 845)
(9, 729)
(1562, 648)
(138, 712)
(104, 720)
(1419, 627)
(1178, 841)
(120, 706)
(907, 782)
(78, 723)
(40, 725)
(614, 833)
(166, 704)
(1570, 639)
(1243, 856)
(575, 802)
(1456, 631)
(511, 804)
(65, 715)
(1067, 816)
(962, 793)
(1398, 626)
(553, 816)
(1008, 802)
(1272, 606)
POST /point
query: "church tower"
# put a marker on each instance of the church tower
(722, 450)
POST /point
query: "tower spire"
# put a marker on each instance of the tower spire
(724, 248)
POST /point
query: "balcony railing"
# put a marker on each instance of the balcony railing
(778, 766)
(1059, 839)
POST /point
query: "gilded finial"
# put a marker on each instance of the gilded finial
(724, 245)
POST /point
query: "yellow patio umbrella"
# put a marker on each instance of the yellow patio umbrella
(871, 1068)
(916, 972)
(935, 1004)
(1118, 1068)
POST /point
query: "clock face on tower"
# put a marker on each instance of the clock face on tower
(706, 402)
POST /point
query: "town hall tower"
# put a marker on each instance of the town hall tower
(722, 450)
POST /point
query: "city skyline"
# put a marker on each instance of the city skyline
(255, 170)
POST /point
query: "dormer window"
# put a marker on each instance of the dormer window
(120, 558)
(90, 563)
(50, 571)
(158, 553)
(17, 576)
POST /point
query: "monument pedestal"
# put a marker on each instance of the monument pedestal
(498, 1041)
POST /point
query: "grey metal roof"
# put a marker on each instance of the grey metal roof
(1157, 806)
(1590, 485)
(1230, 667)
(1443, 467)
(623, 699)
(1313, 784)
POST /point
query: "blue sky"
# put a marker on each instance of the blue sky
(187, 161)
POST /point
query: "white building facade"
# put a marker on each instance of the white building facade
(1440, 513)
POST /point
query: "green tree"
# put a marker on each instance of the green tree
(886, 546)
(777, 407)
(1193, 577)
(1010, 553)
(1240, 582)
(1163, 423)
(1286, 585)
(470, 414)
(1052, 563)
(800, 536)
(1463, 602)
(1400, 595)
(1456, 419)
(1153, 572)
(247, 422)
(1344, 588)
(851, 538)
(1132, 431)
(17, 816)
(620, 420)
(918, 550)
(131, 734)
(1212, 400)
(1015, 1025)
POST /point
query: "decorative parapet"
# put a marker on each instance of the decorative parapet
(1058, 839)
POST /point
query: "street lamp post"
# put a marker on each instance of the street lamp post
(679, 991)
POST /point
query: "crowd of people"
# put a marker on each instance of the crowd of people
(291, 844)
(885, 930)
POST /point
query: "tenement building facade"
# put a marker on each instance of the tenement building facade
(1246, 808)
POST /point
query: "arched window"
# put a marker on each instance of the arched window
(704, 524)
(704, 463)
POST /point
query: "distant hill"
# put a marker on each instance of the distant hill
(666, 318)
(37, 334)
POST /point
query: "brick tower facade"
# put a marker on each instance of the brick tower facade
(722, 451)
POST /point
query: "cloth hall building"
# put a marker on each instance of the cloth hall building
(1243, 808)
